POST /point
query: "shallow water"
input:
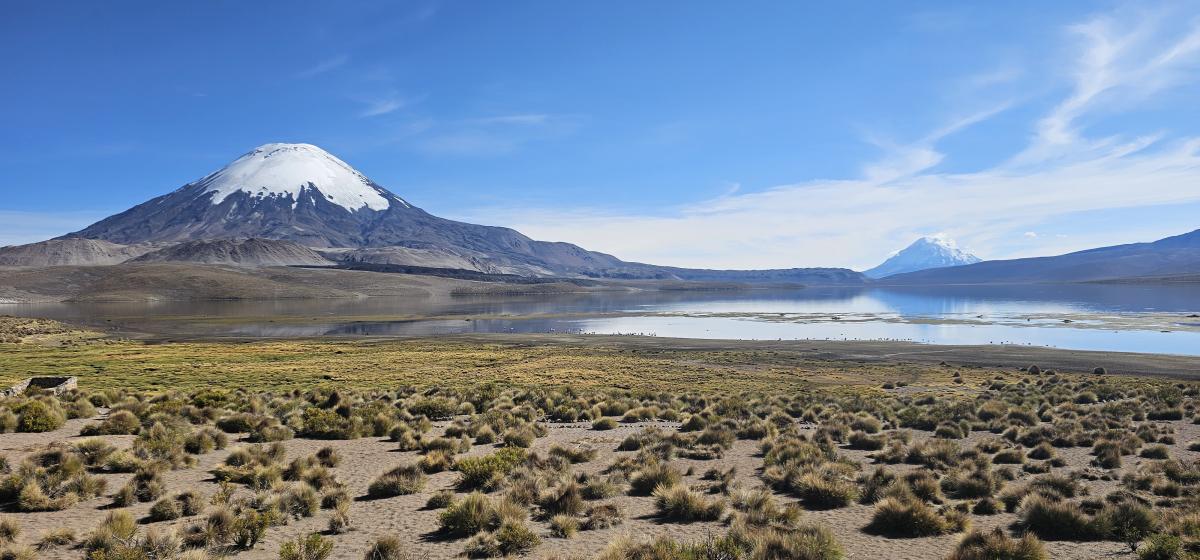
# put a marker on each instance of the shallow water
(1159, 319)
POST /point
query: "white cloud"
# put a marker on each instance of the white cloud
(854, 223)
(1123, 59)
(901, 196)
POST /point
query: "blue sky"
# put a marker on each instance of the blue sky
(686, 133)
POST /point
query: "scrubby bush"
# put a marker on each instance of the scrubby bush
(40, 416)
(1163, 547)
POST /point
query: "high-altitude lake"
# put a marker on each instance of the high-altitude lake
(1129, 318)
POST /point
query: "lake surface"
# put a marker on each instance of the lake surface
(1158, 319)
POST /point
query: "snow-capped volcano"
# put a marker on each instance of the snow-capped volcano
(301, 194)
(924, 253)
(293, 192)
(289, 170)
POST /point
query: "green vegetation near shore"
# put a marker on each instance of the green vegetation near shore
(305, 364)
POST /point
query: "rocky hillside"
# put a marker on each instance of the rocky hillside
(237, 252)
(71, 252)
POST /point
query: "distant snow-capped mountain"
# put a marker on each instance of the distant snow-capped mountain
(923, 254)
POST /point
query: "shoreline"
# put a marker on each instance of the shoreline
(888, 352)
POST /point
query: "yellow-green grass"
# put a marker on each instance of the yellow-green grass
(275, 365)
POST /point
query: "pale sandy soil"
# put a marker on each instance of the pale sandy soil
(405, 516)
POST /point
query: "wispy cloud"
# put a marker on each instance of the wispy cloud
(518, 119)
(491, 135)
(324, 66)
(1123, 59)
(905, 160)
(855, 222)
(381, 105)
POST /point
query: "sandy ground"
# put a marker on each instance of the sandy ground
(405, 516)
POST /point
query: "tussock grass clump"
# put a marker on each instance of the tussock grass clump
(51, 480)
(405, 479)
(512, 537)
(440, 500)
(901, 518)
(679, 503)
(574, 456)
(564, 526)
(806, 542)
(1155, 452)
(484, 471)
(388, 548)
(146, 485)
(118, 422)
(476, 513)
(10, 529)
(996, 545)
(605, 424)
(645, 480)
(116, 537)
(1058, 520)
(1042, 452)
(205, 440)
(180, 505)
(1009, 457)
(565, 499)
(825, 490)
(18, 552)
(866, 442)
(55, 538)
(436, 461)
(603, 516)
(339, 519)
(972, 483)
(254, 465)
(758, 507)
(311, 547)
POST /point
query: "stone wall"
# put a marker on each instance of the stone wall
(56, 385)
